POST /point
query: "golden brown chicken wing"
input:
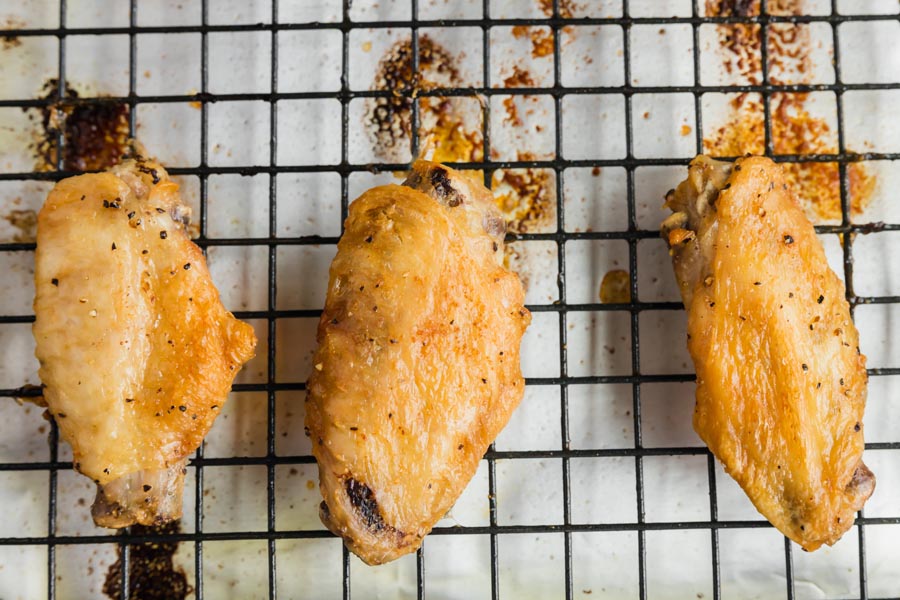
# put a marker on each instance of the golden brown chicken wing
(781, 384)
(417, 369)
(137, 353)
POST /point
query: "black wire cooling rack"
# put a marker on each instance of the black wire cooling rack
(270, 535)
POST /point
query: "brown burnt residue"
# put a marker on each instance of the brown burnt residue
(527, 197)
(25, 224)
(567, 8)
(541, 39)
(615, 287)
(390, 118)
(520, 78)
(95, 136)
(794, 129)
(9, 40)
(152, 574)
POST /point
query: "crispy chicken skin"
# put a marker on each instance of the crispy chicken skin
(136, 352)
(417, 369)
(781, 384)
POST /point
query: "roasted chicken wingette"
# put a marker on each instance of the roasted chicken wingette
(417, 368)
(136, 352)
(781, 383)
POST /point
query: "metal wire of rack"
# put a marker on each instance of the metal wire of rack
(561, 309)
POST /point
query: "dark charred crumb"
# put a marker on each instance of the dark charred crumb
(362, 498)
(214, 407)
(443, 188)
(369, 240)
(159, 210)
(742, 317)
(790, 294)
(152, 574)
(802, 528)
(390, 415)
(362, 287)
(113, 245)
(871, 227)
(187, 266)
(147, 488)
(129, 399)
(495, 246)
(55, 281)
(131, 215)
(842, 381)
(182, 408)
(163, 235)
(145, 251)
(334, 321)
(712, 304)
(857, 427)
(805, 367)
(483, 380)
(393, 341)
(757, 283)
(354, 429)
(819, 385)
(820, 299)
(106, 470)
(788, 239)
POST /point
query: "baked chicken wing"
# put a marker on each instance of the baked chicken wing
(781, 383)
(417, 369)
(136, 352)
